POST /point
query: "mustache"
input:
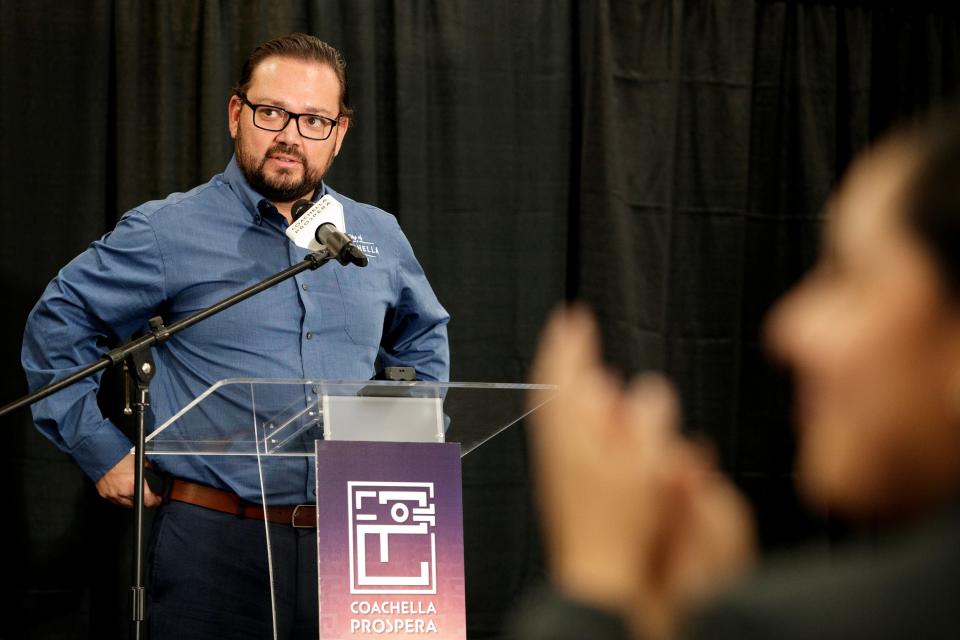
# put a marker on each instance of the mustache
(286, 150)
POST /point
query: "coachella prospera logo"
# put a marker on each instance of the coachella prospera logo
(393, 548)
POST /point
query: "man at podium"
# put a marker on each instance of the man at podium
(207, 569)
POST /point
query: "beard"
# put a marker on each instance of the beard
(286, 186)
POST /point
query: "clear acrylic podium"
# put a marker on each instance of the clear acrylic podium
(264, 431)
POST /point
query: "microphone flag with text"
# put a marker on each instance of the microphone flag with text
(321, 224)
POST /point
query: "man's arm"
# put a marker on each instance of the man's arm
(105, 293)
(415, 330)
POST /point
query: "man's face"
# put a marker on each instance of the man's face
(284, 166)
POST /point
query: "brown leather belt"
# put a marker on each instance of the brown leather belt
(302, 515)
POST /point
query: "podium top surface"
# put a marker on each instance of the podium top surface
(269, 417)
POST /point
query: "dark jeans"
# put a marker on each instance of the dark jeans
(208, 577)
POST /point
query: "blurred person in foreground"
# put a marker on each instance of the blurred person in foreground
(645, 540)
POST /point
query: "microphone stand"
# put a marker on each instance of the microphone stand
(138, 367)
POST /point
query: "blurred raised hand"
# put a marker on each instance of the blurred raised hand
(635, 518)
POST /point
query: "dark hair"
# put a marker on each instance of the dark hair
(932, 194)
(301, 46)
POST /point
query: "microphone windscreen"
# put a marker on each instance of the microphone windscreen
(299, 208)
(303, 231)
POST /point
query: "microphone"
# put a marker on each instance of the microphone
(321, 224)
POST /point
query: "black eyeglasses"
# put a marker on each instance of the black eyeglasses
(271, 118)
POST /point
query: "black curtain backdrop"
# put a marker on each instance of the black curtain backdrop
(666, 161)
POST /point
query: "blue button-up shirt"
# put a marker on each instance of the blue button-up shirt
(176, 256)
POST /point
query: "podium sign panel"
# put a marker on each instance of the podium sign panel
(390, 540)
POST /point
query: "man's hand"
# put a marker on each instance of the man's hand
(635, 518)
(117, 486)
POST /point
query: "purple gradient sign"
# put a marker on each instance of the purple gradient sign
(390, 540)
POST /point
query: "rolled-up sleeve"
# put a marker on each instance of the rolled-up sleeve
(103, 295)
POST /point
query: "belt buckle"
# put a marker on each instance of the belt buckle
(293, 517)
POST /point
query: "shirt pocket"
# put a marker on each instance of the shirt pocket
(366, 294)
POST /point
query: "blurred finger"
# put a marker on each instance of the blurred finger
(568, 346)
(654, 409)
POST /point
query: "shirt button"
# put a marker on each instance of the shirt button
(304, 286)
(309, 335)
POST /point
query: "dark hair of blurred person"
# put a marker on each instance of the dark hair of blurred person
(645, 540)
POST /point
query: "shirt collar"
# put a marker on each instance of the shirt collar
(255, 204)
